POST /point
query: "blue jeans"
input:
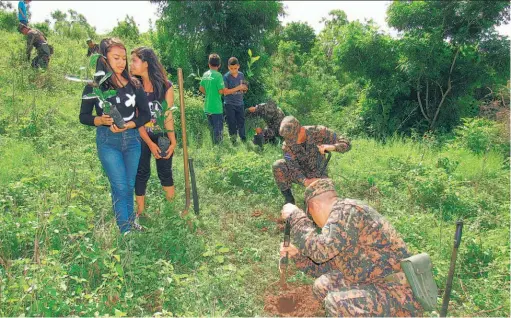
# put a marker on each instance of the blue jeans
(236, 121)
(119, 154)
(216, 126)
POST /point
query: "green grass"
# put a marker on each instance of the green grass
(53, 191)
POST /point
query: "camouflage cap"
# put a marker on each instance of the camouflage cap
(318, 187)
(289, 128)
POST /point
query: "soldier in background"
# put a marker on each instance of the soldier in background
(273, 116)
(356, 257)
(92, 47)
(304, 154)
(36, 38)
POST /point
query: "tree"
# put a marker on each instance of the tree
(439, 50)
(72, 25)
(301, 33)
(4, 5)
(188, 31)
(127, 30)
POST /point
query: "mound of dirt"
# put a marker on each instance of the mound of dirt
(297, 301)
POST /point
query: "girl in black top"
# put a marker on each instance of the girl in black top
(146, 66)
(118, 148)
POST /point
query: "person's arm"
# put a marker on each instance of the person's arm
(144, 114)
(220, 85)
(155, 150)
(202, 90)
(169, 121)
(230, 91)
(322, 247)
(329, 140)
(86, 108)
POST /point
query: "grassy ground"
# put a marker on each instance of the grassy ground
(61, 254)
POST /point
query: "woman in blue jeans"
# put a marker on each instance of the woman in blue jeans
(118, 148)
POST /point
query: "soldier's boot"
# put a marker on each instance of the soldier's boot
(258, 140)
(288, 195)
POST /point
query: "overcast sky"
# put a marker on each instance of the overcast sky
(105, 14)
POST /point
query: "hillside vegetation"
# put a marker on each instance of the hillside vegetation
(61, 253)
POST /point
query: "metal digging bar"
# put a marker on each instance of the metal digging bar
(448, 287)
(183, 134)
(195, 195)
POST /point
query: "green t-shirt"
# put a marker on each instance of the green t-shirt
(212, 81)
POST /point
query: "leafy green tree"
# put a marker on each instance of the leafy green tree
(441, 54)
(5, 5)
(8, 18)
(72, 24)
(301, 33)
(188, 31)
(127, 30)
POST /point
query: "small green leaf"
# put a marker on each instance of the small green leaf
(223, 250)
(119, 270)
(93, 60)
(119, 313)
(219, 259)
(250, 52)
(105, 78)
(90, 96)
(255, 59)
(117, 257)
(208, 253)
(109, 93)
(98, 92)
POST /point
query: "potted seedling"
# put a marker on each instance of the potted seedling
(160, 116)
(108, 108)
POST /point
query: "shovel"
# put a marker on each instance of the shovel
(285, 259)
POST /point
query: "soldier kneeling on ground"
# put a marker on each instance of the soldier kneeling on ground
(272, 115)
(304, 154)
(356, 258)
(36, 38)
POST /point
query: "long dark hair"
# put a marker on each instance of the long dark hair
(157, 74)
(102, 65)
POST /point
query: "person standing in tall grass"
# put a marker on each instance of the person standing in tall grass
(212, 86)
(146, 66)
(118, 148)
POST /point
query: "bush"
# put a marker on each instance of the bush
(481, 135)
(8, 21)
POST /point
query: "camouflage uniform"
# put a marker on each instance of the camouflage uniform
(304, 161)
(35, 38)
(272, 115)
(92, 50)
(356, 259)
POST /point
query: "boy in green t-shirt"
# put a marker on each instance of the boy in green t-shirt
(212, 85)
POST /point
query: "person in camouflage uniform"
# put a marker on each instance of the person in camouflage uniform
(92, 47)
(304, 154)
(36, 38)
(356, 258)
(272, 115)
